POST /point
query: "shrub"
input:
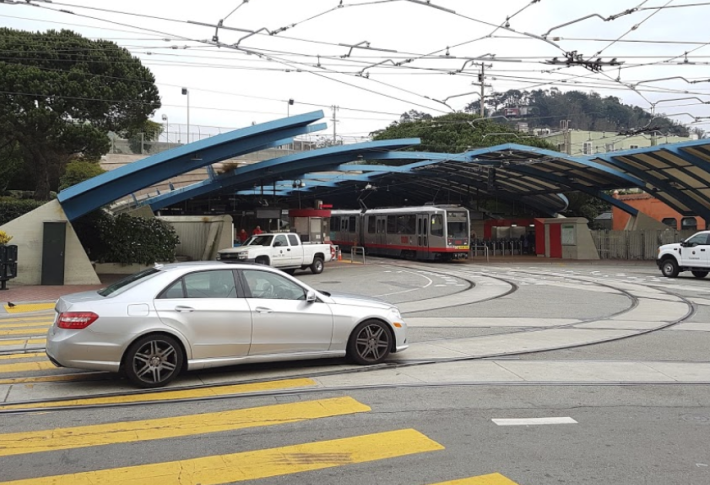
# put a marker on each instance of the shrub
(78, 171)
(11, 208)
(4, 238)
(125, 239)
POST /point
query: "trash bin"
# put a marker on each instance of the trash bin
(8, 265)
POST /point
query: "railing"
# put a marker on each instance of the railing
(354, 253)
(636, 245)
(484, 250)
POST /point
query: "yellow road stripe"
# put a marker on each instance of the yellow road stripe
(154, 429)
(26, 366)
(21, 356)
(25, 331)
(253, 465)
(492, 479)
(29, 307)
(64, 377)
(42, 317)
(45, 324)
(23, 341)
(170, 395)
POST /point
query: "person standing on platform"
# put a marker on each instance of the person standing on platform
(257, 230)
(243, 236)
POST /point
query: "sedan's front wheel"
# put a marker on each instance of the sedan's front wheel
(153, 361)
(370, 343)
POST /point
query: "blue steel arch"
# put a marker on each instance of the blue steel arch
(279, 169)
(110, 186)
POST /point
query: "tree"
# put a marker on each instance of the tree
(78, 171)
(150, 131)
(10, 162)
(456, 133)
(62, 94)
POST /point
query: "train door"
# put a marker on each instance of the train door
(381, 231)
(422, 231)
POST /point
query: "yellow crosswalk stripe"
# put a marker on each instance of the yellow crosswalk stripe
(253, 465)
(154, 429)
(26, 366)
(492, 479)
(45, 317)
(22, 356)
(60, 378)
(29, 307)
(42, 323)
(22, 341)
(28, 331)
(171, 395)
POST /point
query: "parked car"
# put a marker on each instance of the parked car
(692, 255)
(188, 316)
(281, 250)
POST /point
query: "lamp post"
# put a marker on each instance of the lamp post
(289, 103)
(185, 92)
(167, 129)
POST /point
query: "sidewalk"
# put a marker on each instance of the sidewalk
(33, 294)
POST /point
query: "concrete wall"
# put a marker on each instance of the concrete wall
(579, 245)
(27, 234)
(201, 237)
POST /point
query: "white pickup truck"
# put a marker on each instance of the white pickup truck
(692, 255)
(280, 250)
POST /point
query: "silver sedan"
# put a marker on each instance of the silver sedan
(188, 316)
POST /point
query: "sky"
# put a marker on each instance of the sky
(409, 54)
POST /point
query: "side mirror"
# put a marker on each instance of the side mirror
(311, 296)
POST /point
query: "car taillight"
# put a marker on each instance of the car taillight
(76, 320)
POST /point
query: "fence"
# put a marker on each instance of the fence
(635, 245)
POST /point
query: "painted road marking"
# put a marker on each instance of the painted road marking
(21, 356)
(171, 395)
(23, 331)
(154, 429)
(26, 366)
(533, 421)
(253, 465)
(45, 324)
(492, 479)
(29, 307)
(23, 341)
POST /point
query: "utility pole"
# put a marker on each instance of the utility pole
(566, 137)
(481, 79)
(335, 121)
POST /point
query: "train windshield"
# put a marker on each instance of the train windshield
(457, 224)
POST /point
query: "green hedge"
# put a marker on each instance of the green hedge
(125, 239)
(11, 208)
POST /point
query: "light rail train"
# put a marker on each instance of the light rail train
(436, 232)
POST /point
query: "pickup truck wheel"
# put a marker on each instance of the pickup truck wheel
(262, 260)
(290, 271)
(670, 268)
(700, 274)
(317, 266)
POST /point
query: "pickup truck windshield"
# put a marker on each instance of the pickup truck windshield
(260, 241)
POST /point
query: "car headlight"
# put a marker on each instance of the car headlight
(395, 313)
(242, 256)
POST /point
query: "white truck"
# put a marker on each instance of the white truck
(692, 255)
(280, 250)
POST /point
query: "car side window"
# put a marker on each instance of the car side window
(698, 239)
(267, 285)
(293, 239)
(210, 284)
(280, 241)
(173, 291)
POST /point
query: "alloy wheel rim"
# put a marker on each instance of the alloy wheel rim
(372, 342)
(155, 361)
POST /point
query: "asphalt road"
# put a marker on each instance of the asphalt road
(378, 428)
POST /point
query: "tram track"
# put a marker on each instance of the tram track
(692, 308)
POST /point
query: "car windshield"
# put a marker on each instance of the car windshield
(125, 282)
(457, 224)
(260, 241)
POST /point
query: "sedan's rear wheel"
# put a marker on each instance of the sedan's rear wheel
(153, 361)
(370, 343)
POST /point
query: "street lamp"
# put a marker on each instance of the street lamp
(167, 128)
(288, 107)
(185, 92)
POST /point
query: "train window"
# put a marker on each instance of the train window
(437, 225)
(406, 224)
(391, 224)
(351, 224)
(335, 224)
(343, 224)
(457, 224)
(371, 221)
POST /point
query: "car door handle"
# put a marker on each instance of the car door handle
(261, 309)
(702, 250)
(181, 308)
(289, 250)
